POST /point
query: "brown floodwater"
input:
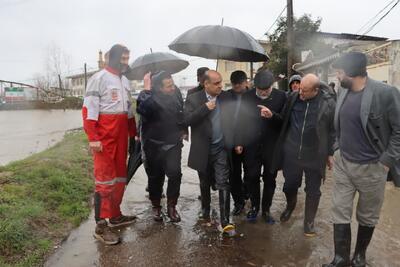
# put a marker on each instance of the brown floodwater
(25, 132)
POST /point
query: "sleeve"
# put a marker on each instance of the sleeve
(277, 117)
(91, 108)
(131, 116)
(280, 116)
(331, 133)
(192, 114)
(392, 152)
(146, 106)
(92, 99)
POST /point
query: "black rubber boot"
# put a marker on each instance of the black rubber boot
(291, 201)
(255, 195)
(342, 240)
(310, 210)
(364, 236)
(205, 200)
(224, 207)
(268, 195)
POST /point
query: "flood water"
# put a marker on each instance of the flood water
(25, 132)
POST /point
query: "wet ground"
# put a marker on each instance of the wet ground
(193, 243)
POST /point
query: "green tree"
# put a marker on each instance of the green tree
(304, 29)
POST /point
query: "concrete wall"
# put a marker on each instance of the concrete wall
(394, 68)
(379, 72)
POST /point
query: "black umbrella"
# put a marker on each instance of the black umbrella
(154, 62)
(219, 42)
(135, 157)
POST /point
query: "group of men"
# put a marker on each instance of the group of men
(242, 134)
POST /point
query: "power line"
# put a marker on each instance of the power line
(377, 14)
(372, 27)
(276, 20)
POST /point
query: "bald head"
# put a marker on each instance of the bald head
(309, 87)
(213, 82)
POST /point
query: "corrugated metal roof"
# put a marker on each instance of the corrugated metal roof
(317, 62)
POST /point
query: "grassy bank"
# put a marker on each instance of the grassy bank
(42, 198)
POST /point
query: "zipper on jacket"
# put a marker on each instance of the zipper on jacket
(302, 130)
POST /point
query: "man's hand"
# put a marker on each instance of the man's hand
(329, 162)
(387, 169)
(95, 146)
(239, 150)
(211, 104)
(147, 81)
(265, 112)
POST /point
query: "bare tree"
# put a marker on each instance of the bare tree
(56, 63)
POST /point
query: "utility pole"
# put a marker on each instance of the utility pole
(85, 77)
(60, 86)
(290, 37)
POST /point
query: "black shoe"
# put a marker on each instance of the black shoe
(205, 214)
(268, 218)
(238, 209)
(363, 238)
(213, 187)
(290, 206)
(342, 240)
(252, 215)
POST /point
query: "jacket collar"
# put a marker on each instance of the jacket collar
(365, 103)
(113, 71)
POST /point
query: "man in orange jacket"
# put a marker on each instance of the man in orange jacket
(108, 122)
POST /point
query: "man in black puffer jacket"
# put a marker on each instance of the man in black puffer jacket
(161, 110)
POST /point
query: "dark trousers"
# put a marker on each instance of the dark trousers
(238, 188)
(293, 170)
(161, 163)
(255, 159)
(218, 171)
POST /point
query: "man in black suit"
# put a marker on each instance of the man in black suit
(238, 190)
(256, 138)
(205, 112)
(200, 79)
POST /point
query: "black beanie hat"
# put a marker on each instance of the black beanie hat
(264, 79)
(352, 63)
(157, 79)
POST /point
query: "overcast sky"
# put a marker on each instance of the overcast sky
(82, 27)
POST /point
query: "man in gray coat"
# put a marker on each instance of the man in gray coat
(368, 133)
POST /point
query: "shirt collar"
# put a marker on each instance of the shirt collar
(209, 97)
